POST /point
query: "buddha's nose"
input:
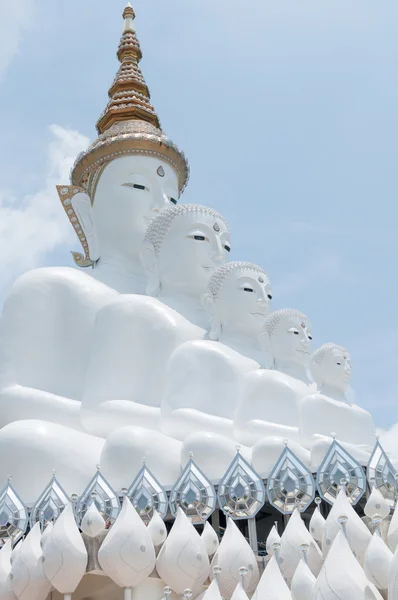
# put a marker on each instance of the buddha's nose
(262, 300)
(217, 252)
(160, 202)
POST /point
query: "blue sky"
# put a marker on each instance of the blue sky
(287, 112)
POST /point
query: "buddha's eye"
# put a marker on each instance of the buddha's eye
(198, 238)
(339, 364)
(227, 248)
(270, 296)
(247, 289)
(310, 337)
(136, 186)
(173, 200)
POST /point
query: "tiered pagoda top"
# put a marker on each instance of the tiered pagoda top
(129, 123)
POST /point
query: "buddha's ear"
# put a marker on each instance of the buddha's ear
(150, 264)
(77, 205)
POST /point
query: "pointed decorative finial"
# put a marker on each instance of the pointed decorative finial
(129, 124)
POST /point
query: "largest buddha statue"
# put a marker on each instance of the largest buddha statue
(130, 173)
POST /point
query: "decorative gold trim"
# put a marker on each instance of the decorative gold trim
(129, 123)
(66, 193)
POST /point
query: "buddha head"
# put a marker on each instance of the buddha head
(287, 333)
(331, 367)
(183, 246)
(130, 172)
(130, 192)
(238, 299)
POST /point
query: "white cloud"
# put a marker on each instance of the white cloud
(36, 224)
(16, 17)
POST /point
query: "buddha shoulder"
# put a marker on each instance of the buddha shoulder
(58, 282)
(147, 315)
(269, 380)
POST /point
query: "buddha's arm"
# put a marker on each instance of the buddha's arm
(181, 422)
(103, 418)
(267, 407)
(18, 402)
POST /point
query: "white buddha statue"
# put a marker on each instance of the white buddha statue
(135, 336)
(328, 410)
(203, 376)
(238, 300)
(267, 413)
(183, 246)
(130, 173)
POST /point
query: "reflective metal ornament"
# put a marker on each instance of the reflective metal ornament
(13, 515)
(381, 474)
(100, 492)
(147, 495)
(339, 465)
(49, 505)
(241, 492)
(290, 485)
(194, 494)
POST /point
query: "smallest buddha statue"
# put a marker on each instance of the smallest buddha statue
(328, 413)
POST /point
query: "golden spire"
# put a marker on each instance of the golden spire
(129, 123)
(129, 94)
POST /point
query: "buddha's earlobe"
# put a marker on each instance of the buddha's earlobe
(77, 205)
(150, 264)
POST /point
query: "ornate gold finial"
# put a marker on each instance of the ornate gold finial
(129, 123)
(128, 12)
(129, 94)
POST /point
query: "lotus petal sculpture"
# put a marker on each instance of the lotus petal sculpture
(127, 554)
(212, 592)
(392, 536)
(358, 534)
(5, 569)
(28, 581)
(292, 539)
(93, 522)
(303, 583)
(377, 505)
(317, 526)
(234, 553)
(64, 553)
(157, 529)
(273, 538)
(183, 561)
(272, 586)
(377, 562)
(239, 593)
(342, 577)
(210, 539)
(393, 578)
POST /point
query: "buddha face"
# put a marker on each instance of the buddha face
(291, 341)
(243, 301)
(334, 369)
(130, 192)
(194, 245)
